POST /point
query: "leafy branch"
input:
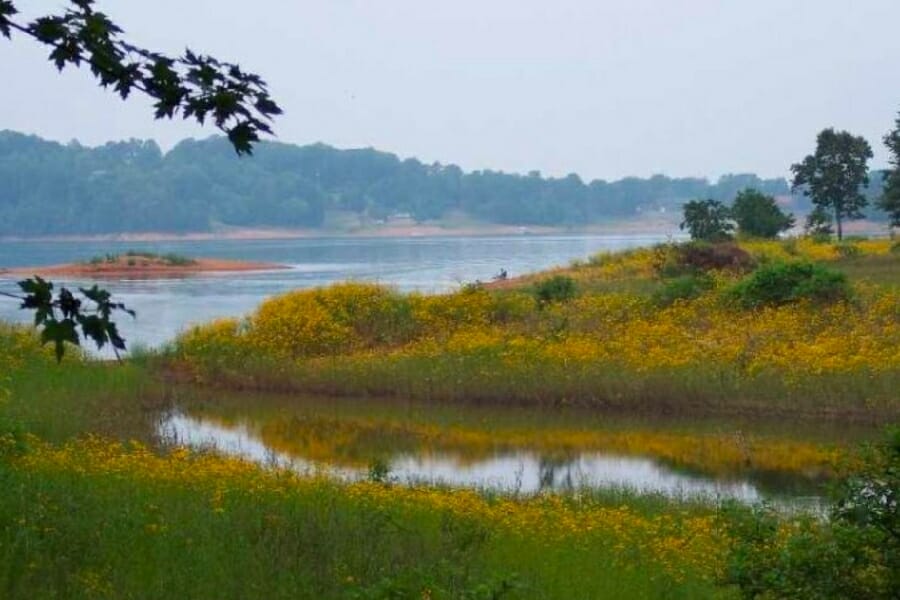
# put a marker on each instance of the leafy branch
(192, 85)
(63, 315)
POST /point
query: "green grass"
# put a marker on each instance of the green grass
(883, 270)
(58, 402)
(73, 536)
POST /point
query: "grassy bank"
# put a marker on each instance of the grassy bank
(90, 516)
(118, 521)
(634, 331)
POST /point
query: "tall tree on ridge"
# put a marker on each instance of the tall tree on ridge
(834, 176)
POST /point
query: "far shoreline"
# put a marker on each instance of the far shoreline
(660, 226)
(636, 227)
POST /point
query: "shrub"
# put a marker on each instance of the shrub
(700, 257)
(853, 554)
(558, 288)
(780, 283)
(707, 257)
(682, 288)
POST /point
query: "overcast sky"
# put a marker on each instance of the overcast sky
(600, 88)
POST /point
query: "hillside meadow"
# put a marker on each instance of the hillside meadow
(638, 330)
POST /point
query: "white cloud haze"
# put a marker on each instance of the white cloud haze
(603, 89)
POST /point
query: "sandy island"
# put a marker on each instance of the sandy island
(142, 267)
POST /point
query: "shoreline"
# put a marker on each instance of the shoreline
(389, 231)
(649, 227)
(143, 269)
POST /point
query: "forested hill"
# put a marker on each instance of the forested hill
(49, 188)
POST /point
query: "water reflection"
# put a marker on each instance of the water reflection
(523, 471)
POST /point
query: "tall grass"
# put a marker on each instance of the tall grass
(92, 519)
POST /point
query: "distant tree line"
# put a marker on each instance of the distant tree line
(49, 188)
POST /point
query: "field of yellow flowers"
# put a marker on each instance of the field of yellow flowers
(110, 519)
(606, 347)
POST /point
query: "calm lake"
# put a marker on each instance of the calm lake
(431, 264)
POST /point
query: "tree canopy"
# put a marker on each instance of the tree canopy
(758, 215)
(191, 85)
(833, 176)
(132, 186)
(707, 220)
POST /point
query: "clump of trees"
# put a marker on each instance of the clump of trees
(758, 215)
(753, 214)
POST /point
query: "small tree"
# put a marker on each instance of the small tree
(819, 223)
(833, 177)
(758, 215)
(890, 199)
(707, 220)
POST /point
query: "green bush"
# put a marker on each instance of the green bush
(558, 288)
(780, 283)
(682, 288)
(855, 553)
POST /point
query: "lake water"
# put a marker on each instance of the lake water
(431, 264)
(510, 449)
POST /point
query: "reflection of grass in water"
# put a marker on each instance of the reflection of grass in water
(355, 440)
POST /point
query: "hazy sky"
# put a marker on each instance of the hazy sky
(601, 88)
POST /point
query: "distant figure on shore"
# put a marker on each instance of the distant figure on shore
(501, 276)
